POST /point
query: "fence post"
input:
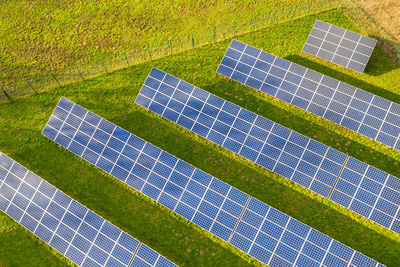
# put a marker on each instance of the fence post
(30, 85)
(80, 73)
(213, 34)
(352, 14)
(384, 39)
(192, 42)
(369, 24)
(273, 19)
(7, 95)
(294, 11)
(126, 57)
(322, 5)
(55, 78)
(104, 66)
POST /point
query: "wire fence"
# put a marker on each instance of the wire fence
(386, 41)
(36, 83)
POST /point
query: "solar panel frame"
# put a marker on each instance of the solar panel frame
(251, 146)
(291, 240)
(312, 158)
(198, 183)
(60, 221)
(340, 46)
(202, 199)
(369, 192)
(333, 100)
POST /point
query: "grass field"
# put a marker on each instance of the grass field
(40, 37)
(112, 97)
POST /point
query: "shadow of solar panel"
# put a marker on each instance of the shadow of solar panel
(340, 46)
(272, 146)
(338, 102)
(195, 195)
(66, 225)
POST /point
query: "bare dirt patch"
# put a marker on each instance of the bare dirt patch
(385, 12)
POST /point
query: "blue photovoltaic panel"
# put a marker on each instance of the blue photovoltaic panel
(343, 47)
(72, 229)
(277, 148)
(276, 239)
(339, 102)
(197, 196)
(146, 256)
(370, 192)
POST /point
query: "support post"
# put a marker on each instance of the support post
(55, 78)
(30, 85)
(309, 7)
(384, 39)
(126, 57)
(352, 14)
(104, 66)
(369, 24)
(214, 34)
(294, 11)
(7, 95)
(80, 73)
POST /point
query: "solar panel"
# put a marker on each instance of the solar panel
(66, 225)
(370, 192)
(338, 102)
(340, 46)
(279, 240)
(272, 146)
(191, 193)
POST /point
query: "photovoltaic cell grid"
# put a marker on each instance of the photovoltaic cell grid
(370, 192)
(193, 194)
(340, 46)
(75, 231)
(208, 202)
(341, 103)
(279, 240)
(277, 148)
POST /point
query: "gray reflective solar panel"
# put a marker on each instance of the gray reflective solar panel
(270, 145)
(72, 229)
(195, 195)
(340, 46)
(338, 102)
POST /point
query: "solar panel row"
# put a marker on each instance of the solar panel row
(341, 103)
(279, 149)
(340, 46)
(72, 229)
(254, 227)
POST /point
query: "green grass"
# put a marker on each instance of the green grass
(40, 37)
(112, 97)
